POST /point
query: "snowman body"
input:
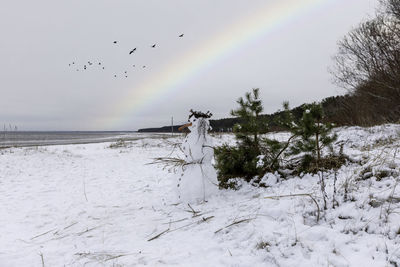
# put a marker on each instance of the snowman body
(198, 179)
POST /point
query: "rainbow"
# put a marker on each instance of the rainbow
(250, 29)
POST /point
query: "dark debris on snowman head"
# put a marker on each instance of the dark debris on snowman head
(199, 114)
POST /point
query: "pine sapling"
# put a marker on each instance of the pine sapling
(315, 135)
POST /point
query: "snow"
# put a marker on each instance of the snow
(270, 179)
(93, 205)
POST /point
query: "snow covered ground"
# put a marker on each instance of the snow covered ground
(96, 205)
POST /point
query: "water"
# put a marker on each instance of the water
(26, 138)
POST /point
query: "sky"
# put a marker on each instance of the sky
(283, 47)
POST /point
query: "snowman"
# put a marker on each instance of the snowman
(198, 179)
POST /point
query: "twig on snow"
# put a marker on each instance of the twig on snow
(234, 223)
(41, 256)
(203, 219)
(84, 189)
(56, 232)
(230, 253)
(114, 257)
(88, 230)
(70, 225)
(195, 213)
(43, 233)
(157, 236)
(181, 220)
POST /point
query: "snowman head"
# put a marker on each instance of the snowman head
(198, 114)
(199, 122)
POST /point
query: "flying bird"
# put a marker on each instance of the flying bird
(115, 42)
(133, 50)
(144, 67)
(154, 45)
(181, 35)
(134, 65)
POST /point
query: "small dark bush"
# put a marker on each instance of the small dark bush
(263, 245)
(233, 162)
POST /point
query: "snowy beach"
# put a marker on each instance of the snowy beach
(102, 204)
(42, 138)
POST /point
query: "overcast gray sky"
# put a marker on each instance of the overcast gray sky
(39, 39)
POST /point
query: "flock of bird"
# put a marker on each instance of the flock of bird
(100, 65)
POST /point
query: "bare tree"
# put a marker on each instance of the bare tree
(368, 62)
(391, 7)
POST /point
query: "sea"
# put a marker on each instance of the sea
(37, 138)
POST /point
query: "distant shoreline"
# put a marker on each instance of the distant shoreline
(42, 138)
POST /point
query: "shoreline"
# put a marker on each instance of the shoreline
(34, 143)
